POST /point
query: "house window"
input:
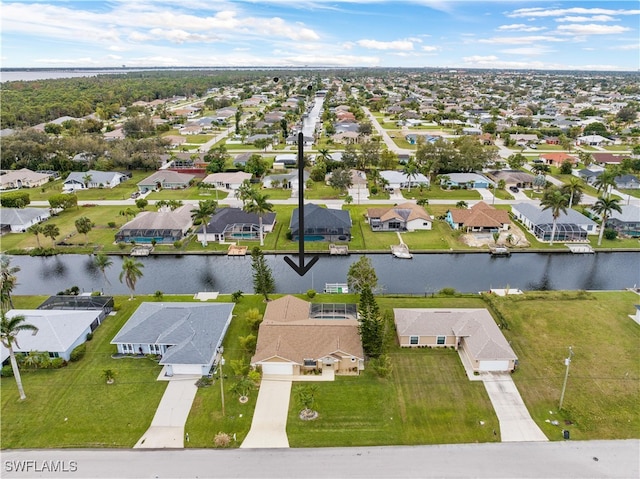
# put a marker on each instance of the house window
(413, 340)
(440, 340)
(53, 355)
(310, 363)
(394, 225)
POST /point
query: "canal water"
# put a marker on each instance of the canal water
(425, 273)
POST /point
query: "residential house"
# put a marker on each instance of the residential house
(165, 179)
(187, 336)
(466, 180)
(232, 224)
(346, 137)
(293, 140)
(570, 226)
(297, 337)
(472, 332)
(284, 180)
(480, 217)
(59, 331)
(627, 182)
(23, 178)
(557, 159)
(523, 139)
(604, 159)
(227, 180)
(322, 224)
(285, 160)
(516, 178)
(593, 140)
(18, 220)
(626, 223)
(78, 180)
(399, 180)
(159, 226)
(403, 217)
(589, 174)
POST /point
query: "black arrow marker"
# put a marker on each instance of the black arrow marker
(301, 268)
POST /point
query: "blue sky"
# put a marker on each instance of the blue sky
(564, 35)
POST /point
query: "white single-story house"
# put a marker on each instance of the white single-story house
(287, 159)
(165, 179)
(78, 180)
(284, 180)
(398, 179)
(473, 332)
(296, 336)
(570, 226)
(188, 336)
(228, 181)
(18, 220)
(593, 140)
(59, 331)
(233, 224)
(466, 180)
(159, 226)
(404, 217)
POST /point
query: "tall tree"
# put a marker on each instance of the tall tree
(410, 170)
(8, 281)
(574, 189)
(263, 282)
(362, 275)
(9, 329)
(259, 205)
(102, 262)
(606, 182)
(36, 230)
(205, 210)
(603, 207)
(370, 324)
(557, 202)
(131, 272)
(340, 179)
(83, 226)
(52, 231)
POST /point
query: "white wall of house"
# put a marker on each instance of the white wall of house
(418, 224)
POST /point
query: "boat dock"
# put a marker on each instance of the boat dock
(141, 250)
(580, 248)
(401, 250)
(340, 288)
(235, 250)
(341, 250)
(499, 251)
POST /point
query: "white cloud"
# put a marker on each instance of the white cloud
(533, 50)
(519, 40)
(630, 46)
(333, 60)
(67, 61)
(429, 48)
(594, 18)
(479, 58)
(591, 29)
(559, 12)
(519, 27)
(403, 45)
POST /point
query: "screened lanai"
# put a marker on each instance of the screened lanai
(564, 232)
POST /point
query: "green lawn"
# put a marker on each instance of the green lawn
(618, 148)
(438, 193)
(635, 192)
(602, 393)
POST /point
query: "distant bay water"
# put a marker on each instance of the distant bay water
(33, 75)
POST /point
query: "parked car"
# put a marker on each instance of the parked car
(533, 146)
(514, 189)
(134, 195)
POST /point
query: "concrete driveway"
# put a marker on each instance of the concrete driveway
(515, 421)
(167, 427)
(269, 425)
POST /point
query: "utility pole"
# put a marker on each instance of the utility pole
(221, 384)
(567, 363)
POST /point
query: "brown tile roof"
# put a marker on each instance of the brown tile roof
(558, 157)
(404, 212)
(287, 332)
(480, 215)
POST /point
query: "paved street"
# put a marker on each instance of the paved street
(544, 460)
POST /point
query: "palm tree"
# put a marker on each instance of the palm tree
(259, 205)
(87, 179)
(84, 225)
(606, 182)
(574, 186)
(557, 202)
(9, 329)
(8, 281)
(463, 205)
(325, 154)
(103, 262)
(205, 210)
(51, 230)
(36, 230)
(603, 208)
(411, 171)
(131, 273)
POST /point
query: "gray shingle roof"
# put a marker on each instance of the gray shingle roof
(21, 216)
(193, 330)
(318, 217)
(230, 216)
(539, 217)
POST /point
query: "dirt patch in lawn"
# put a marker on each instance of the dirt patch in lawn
(479, 240)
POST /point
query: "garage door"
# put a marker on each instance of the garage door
(187, 369)
(494, 365)
(277, 368)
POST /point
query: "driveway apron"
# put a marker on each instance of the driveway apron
(167, 427)
(515, 421)
(269, 425)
